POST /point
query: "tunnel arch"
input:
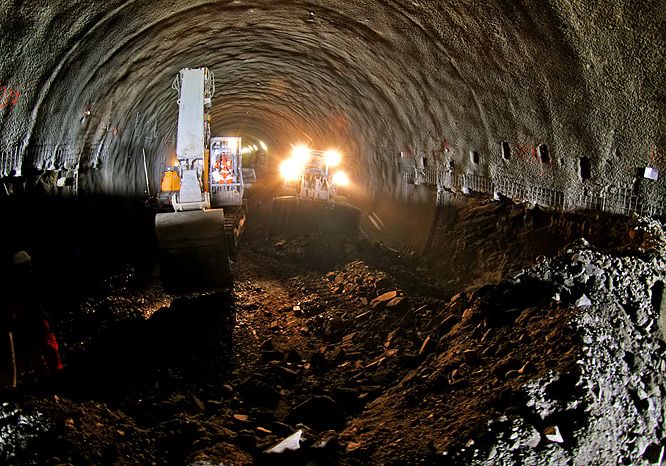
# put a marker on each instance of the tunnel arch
(380, 78)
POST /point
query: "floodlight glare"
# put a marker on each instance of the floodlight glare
(341, 179)
(333, 158)
(290, 169)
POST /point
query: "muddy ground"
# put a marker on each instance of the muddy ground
(369, 355)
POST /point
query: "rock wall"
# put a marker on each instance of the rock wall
(476, 240)
(610, 410)
(517, 91)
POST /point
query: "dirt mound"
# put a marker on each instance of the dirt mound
(351, 353)
(561, 364)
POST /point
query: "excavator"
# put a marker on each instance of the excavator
(317, 206)
(197, 239)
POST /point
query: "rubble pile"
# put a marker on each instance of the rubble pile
(476, 241)
(355, 355)
(610, 409)
(575, 377)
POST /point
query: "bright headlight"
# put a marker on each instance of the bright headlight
(301, 154)
(341, 179)
(333, 158)
(290, 169)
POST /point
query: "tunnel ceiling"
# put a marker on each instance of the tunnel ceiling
(375, 78)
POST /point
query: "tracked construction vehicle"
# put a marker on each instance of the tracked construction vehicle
(198, 238)
(317, 206)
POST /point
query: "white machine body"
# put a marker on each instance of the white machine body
(195, 91)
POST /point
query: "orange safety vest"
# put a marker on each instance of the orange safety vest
(226, 172)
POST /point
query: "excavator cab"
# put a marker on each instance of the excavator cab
(226, 172)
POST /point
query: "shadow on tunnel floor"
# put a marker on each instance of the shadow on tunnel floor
(190, 340)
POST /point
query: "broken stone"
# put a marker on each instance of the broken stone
(334, 325)
(291, 443)
(353, 446)
(459, 301)
(408, 319)
(293, 357)
(348, 339)
(338, 357)
(214, 404)
(468, 315)
(426, 346)
(553, 434)
(228, 389)
(329, 440)
(376, 362)
(592, 269)
(246, 439)
(389, 338)
(347, 398)
(534, 439)
(395, 303)
(447, 324)
(267, 345)
(583, 301)
(317, 360)
(288, 374)
(256, 391)
(526, 369)
(241, 417)
(384, 298)
(382, 282)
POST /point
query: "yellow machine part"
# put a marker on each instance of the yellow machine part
(206, 170)
(170, 182)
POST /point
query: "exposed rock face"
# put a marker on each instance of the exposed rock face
(610, 410)
(88, 84)
(476, 241)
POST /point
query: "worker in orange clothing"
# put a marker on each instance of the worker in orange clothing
(28, 342)
(226, 171)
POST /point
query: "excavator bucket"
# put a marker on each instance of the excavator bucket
(292, 216)
(192, 250)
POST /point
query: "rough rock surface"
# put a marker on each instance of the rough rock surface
(360, 352)
(377, 78)
(474, 240)
(610, 409)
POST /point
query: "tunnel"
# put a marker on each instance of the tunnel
(496, 296)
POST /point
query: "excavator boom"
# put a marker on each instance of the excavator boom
(196, 240)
